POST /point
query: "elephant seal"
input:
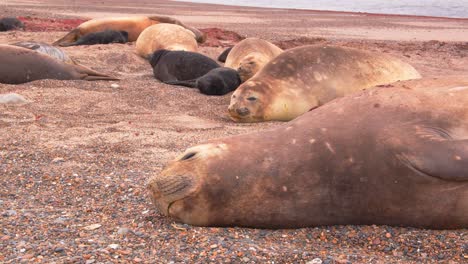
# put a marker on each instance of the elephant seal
(223, 56)
(101, 37)
(218, 81)
(306, 77)
(45, 49)
(250, 55)
(387, 156)
(10, 23)
(180, 65)
(165, 36)
(133, 25)
(21, 65)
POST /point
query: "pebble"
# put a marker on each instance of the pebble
(9, 213)
(59, 250)
(315, 261)
(90, 261)
(58, 159)
(92, 227)
(123, 231)
(114, 85)
(114, 246)
(12, 98)
(245, 259)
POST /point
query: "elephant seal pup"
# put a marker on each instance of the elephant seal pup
(101, 37)
(223, 56)
(387, 156)
(218, 81)
(10, 23)
(165, 36)
(306, 77)
(45, 49)
(180, 65)
(21, 65)
(133, 25)
(250, 55)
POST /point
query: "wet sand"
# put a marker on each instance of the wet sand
(81, 152)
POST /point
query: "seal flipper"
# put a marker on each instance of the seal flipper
(92, 75)
(71, 37)
(200, 36)
(189, 83)
(443, 159)
(223, 56)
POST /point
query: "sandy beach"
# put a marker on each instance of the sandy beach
(75, 160)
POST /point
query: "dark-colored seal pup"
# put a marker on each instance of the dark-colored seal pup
(387, 156)
(10, 23)
(180, 65)
(222, 57)
(102, 37)
(219, 81)
(21, 65)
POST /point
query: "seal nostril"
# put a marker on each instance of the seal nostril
(252, 98)
(188, 156)
(243, 111)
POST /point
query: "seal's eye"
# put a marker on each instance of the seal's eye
(188, 156)
(252, 98)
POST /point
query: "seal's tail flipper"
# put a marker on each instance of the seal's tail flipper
(223, 56)
(199, 36)
(92, 75)
(189, 83)
(444, 159)
(69, 38)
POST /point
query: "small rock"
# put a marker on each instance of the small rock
(59, 250)
(315, 261)
(58, 159)
(114, 246)
(114, 85)
(245, 259)
(123, 231)
(90, 261)
(214, 246)
(92, 227)
(9, 213)
(12, 98)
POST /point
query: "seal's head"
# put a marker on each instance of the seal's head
(180, 190)
(249, 100)
(250, 65)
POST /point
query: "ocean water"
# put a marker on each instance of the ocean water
(440, 8)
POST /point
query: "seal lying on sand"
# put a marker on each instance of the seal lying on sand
(45, 49)
(306, 77)
(10, 23)
(250, 55)
(21, 65)
(180, 65)
(165, 36)
(133, 25)
(388, 156)
(218, 81)
(101, 37)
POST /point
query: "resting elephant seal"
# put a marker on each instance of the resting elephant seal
(10, 23)
(387, 156)
(250, 55)
(165, 36)
(101, 37)
(218, 81)
(21, 65)
(180, 65)
(306, 77)
(45, 49)
(133, 25)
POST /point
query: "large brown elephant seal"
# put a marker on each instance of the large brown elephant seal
(250, 55)
(21, 65)
(165, 36)
(133, 25)
(306, 77)
(45, 49)
(387, 156)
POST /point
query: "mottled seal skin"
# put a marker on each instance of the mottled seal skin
(10, 23)
(101, 37)
(306, 77)
(180, 65)
(218, 81)
(165, 36)
(133, 25)
(250, 55)
(45, 49)
(387, 156)
(223, 56)
(21, 65)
